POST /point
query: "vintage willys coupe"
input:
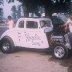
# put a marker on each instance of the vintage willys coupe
(35, 33)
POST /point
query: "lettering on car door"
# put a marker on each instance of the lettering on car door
(35, 37)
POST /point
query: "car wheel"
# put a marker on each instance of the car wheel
(6, 46)
(60, 51)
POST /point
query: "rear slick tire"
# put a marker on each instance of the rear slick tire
(60, 51)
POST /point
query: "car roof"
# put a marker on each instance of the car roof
(34, 19)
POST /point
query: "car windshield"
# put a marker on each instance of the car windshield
(45, 23)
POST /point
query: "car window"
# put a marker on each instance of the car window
(31, 24)
(45, 23)
(21, 24)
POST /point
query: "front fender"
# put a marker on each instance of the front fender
(13, 35)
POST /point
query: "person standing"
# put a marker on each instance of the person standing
(68, 24)
(10, 22)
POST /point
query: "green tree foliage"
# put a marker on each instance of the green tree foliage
(19, 12)
(14, 11)
(1, 10)
(1, 13)
(50, 6)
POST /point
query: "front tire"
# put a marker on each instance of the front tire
(60, 51)
(7, 46)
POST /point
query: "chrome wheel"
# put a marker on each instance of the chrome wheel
(6, 46)
(59, 52)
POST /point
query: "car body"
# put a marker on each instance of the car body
(29, 33)
(36, 33)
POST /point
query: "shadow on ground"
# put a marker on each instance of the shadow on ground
(18, 49)
(42, 51)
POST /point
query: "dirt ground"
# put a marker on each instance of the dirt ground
(33, 61)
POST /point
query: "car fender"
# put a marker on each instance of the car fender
(11, 34)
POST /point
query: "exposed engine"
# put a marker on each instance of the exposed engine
(57, 39)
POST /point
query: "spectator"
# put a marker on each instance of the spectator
(68, 24)
(10, 22)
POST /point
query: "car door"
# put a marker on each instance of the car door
(35, 36)
(21, 31)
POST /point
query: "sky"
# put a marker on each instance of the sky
(7, 7)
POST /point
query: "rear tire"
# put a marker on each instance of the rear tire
(7, 46)
(59, 51)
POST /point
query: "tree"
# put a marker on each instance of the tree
(50, 5)
(29, 6)
(1, 9)
(1, 13)
(19, 12)
(14, 12)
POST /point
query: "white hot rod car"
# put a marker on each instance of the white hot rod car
(34, 33)
(28, 32)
